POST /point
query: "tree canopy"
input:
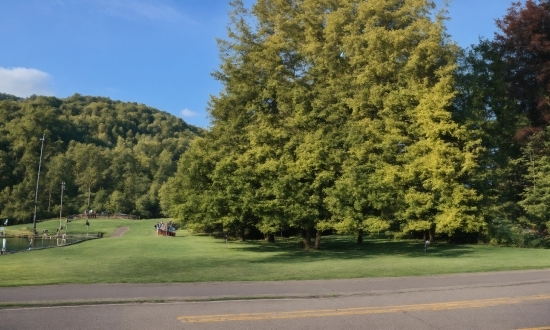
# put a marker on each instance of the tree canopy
(503, 98)
(335, 115)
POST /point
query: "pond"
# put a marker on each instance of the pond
(15, 244)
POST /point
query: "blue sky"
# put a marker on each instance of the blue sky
(156, 52)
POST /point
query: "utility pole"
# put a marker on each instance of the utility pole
(37, 181)
(61, 208)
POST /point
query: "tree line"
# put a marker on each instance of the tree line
(113, 156)
(365, 117)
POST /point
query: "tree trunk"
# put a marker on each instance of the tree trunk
(432, 234)
(317, 240)
(242, 234)
(271, 238)
(89, 192)
(49, 199)
(360, 237)
(307, 238)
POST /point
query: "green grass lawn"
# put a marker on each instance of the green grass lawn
(139, 256)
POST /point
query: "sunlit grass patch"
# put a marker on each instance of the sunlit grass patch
(139, 256)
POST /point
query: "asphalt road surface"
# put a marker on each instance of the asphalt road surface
(508, 300)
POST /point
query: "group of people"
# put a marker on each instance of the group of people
(168, 229)
(90, 214)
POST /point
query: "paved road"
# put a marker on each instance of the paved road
(506, 300)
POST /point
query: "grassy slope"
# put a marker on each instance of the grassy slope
(139, 256)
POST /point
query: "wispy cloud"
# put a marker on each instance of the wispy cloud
(24, 82)
(139, 9)
(188, 113)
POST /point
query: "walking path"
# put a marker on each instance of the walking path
(77, 293)
(120, 231)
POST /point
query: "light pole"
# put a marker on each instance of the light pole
(37, 181)
(61, 208)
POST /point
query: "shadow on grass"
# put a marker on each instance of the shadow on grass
(345, 248)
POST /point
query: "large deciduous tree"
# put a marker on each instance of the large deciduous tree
(524, 44)
(334, 114)
(503, 99)
(408, 159)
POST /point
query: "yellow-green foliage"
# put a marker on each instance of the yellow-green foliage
(335, 114)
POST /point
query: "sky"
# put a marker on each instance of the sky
(157, 52)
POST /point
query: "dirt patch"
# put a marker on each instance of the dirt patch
(120, 231)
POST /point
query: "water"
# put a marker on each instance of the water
(14, 244)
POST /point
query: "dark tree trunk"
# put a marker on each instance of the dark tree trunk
(432, 234)
(317, 240)
(242, 234)
(271, 238)
(307, 238)
(360, 238)
(49, 199)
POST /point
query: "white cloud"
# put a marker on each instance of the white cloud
(188, 113)
(136, 9)
(24, 82)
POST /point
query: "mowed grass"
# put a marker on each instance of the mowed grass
(139, 256)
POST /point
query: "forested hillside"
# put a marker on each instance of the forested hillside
(113, 156)
(364, 117)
